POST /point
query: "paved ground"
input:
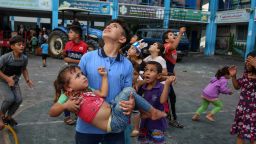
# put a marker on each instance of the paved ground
(193, 73)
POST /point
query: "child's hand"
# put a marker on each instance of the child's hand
(170, 80)
(182, 30)
(127, 106)
(10, 81)
(72, 105)
(102, 71)
(30, 83)
(232, 71)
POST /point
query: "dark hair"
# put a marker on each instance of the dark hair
(252, 54)
(77, 29)
(125, 27)
(165, 36)
(62, 80)
(222, 72)
(157, 65)
(161, 48)
(16, 39)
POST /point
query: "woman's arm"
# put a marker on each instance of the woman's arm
(235, 83)
(232, 72)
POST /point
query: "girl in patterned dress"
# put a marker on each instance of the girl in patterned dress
(245, 118)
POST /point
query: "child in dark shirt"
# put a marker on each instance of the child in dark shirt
(12, 65)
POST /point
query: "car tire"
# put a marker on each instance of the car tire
(57, 41)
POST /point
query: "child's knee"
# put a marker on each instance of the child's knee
(128, 90)
(18, 101)
(10, 99)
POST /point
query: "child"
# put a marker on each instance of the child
(155, 93)
(245, 118)
(156, 50)
(171, 43)
(93, 108)
(44, 48)
(134, 54)
(210, 94)
(125, 49)
(34, 43)
(136, 114)
(75, 48)
(12, 65)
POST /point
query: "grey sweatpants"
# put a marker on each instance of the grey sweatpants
(12, 98)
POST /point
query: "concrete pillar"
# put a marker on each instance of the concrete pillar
(55, 6)
(38, 22)
(12, 23)
(115, 9)
(250, 42)
(167, 9)
(211, 29)
(65, 23)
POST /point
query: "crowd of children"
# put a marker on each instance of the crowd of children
(103, 87)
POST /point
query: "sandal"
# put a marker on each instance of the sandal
(176, 124)
(69, 121)
(210, 117)
(196, 117)
(10, 121)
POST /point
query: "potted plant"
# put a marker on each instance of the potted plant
(231, 44)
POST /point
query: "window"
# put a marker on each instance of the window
(241, 31)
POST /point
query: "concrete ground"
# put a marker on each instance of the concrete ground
(193, 73)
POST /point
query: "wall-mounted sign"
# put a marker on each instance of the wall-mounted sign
(45, 5)
(189, 15)
(95, 7)
(232, 16)
(152, 12)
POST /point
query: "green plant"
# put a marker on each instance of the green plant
(231, 43)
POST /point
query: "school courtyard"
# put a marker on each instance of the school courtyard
(193, 73)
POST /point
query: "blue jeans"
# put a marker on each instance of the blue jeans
(110, 138)
(119, 121)
(170, 67)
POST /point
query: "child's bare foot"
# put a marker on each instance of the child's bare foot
(144, 115)
(210, 117)
(135, 133)
(157, 114)
(196, 117)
